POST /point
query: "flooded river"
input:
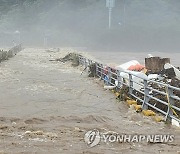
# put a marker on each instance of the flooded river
(47, 107)
(119, 57)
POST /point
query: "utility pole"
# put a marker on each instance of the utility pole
(110, 4)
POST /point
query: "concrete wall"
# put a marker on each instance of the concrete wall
(5, 55)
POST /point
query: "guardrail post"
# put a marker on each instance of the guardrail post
(102, 71)
(85, 62)
(97, 73)
(118, 78)
(109, 75)
(130, 84)
(80, 62)
(88, 62)
(79, 59)
(146, 93)
(169, 93)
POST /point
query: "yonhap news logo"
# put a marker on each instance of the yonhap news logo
(94, 137)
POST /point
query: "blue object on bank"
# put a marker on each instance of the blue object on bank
(106, 79)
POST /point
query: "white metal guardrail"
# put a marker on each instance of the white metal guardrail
(149, 95)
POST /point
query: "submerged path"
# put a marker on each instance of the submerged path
(59, 106)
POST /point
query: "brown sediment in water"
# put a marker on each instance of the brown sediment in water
(48, 107)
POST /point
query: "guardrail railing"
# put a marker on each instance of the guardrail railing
(162, 99)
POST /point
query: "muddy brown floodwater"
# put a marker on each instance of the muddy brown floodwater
(47, 107)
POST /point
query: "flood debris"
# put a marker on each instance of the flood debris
(148, 113)
(176, 70)
(109, 87)
(157, 69)
(5, 55)
(175, 123)
(122, 93)
(117, 79)
(156, 64)
(127, 65)
(158, 118)
(92, 70)
(137, 107)
(71, 57)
